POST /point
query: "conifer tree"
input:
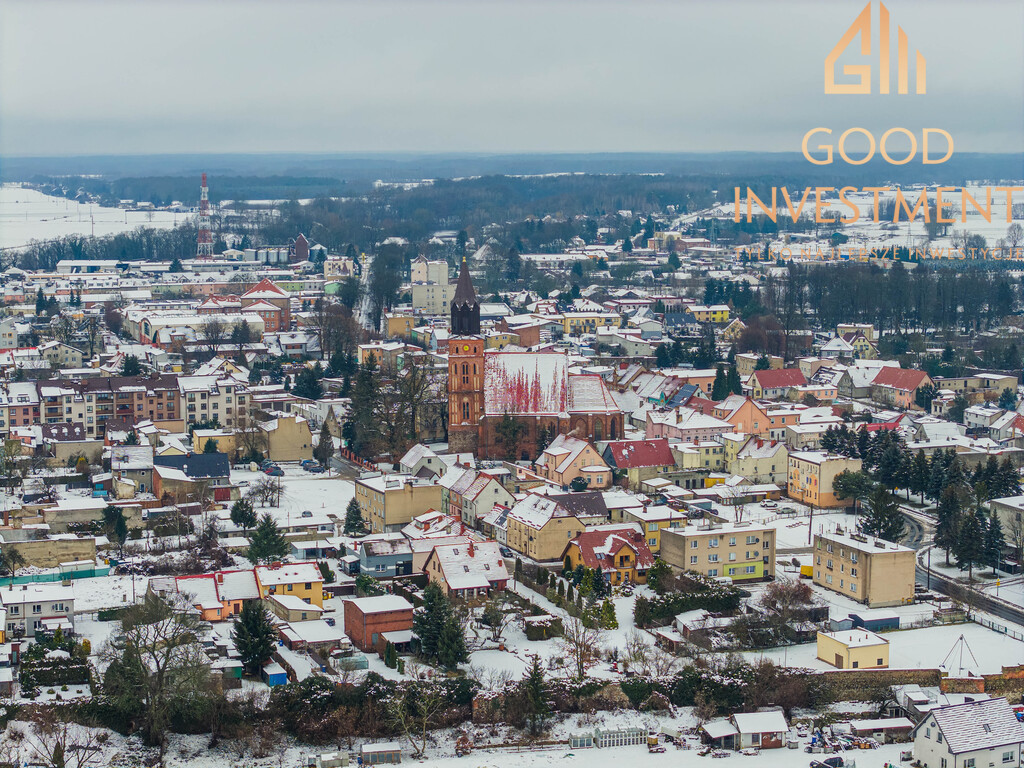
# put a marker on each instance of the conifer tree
(883, 518)
(354, 525)
(254, 635)
(267, 543)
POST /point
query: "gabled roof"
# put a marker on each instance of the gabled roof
(265, 289)
(630, 454)
(977, 725)
(899, 378)
(477, 565)
(197, 464)
(600, 546)
(780, 377)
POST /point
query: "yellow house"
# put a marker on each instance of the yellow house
(653, 520)
(390, 502)
(578, 323)
(853, 649)
(715, 313)
(500, 339)
(301, 580)
(733, 331)
(873, 571)
(399, 325)
(740, 551)
(618, 551)
(811, 474)
(288, 438)
(539, 528)
(224, 439)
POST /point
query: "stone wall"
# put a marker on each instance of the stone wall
(864, 684)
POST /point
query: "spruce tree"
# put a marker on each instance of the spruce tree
(883, 518)
(267, 543)
(720, 387)
(354, 525)
(254, 635)
(948, 513)
(994, 542)
(920, 474)
(325, 446)
(608, 618)
(429, 621)
(535, 694)
(733, 382)
(451, 644)
(243, 515)
(969, 549)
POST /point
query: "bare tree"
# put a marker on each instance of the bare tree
(497, 617)
(581, 644)
(59, 744)
(163, 655)
(1015, 234)
(263, 490)
(250, 438)
(214, 333)
(413, 709)
(648, 659)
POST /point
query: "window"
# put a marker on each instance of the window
(879, 662)
(938, 738)
(732, 541)
(652, 542)
(732, 556)
(853, 587)
(693, 544)
(751, 539)
(380, 568)
(713, 542)
(969, 762)
(751, 569)
(942, 762)
(712, 558)
(1008, 756)
(693, 559)
(712, 571)
(37, 608)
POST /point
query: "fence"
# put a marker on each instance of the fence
(1000, 628)
(44, 578)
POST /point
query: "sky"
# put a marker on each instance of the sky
(119, 77)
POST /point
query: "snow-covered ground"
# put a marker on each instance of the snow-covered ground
(925, 648)
(302, 491)
(26, 214)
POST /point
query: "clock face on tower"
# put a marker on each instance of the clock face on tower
(465, 347)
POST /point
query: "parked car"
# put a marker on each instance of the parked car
(308, 463)
(506, 552)
(769, 504)
(829, 762)
(316, 469)
(274, 472)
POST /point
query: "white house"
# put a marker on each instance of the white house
(978, 734)
(38, 607)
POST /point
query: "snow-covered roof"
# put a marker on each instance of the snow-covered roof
(381, 604)
(760, 722)
(977, 725)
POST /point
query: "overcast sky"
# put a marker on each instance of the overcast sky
(231, 76)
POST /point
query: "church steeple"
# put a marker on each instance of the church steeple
(465, 317)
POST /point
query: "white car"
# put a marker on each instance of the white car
(769, 504)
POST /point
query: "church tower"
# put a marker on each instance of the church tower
(465, 367)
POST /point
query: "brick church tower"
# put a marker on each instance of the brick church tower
(465, 367)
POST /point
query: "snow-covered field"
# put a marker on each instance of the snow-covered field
(26, 214)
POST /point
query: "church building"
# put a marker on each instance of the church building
(489, 389)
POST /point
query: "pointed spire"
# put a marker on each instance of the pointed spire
(465, 295)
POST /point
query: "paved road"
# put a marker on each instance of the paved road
(919, 536)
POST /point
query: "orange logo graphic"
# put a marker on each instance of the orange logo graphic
(862, 26)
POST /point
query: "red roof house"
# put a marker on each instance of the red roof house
(620, 552)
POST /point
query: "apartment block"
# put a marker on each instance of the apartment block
(739, 551)
(872, 571)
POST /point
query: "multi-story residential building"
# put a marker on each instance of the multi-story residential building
(640, 459)
(390, 502)
(301, 580)
(746, 363)
(739, 551)
(811, 474)
(715, 313)
(619, 552)
(467, 495)
(898, 387)
(869, 570)
(976, 734)
(579, 323)
(422, 270)
(432, 298)
(208, 398)
(539, 527)
(774, 384)
(32, 608)
(761, 461)
(653, 520)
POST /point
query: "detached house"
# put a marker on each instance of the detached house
(476, 569)
(977, 734)
(774, 384)
(640, 459)
(897, 387)
(620, 552)
(568, 458)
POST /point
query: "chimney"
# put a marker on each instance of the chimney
(472, 549)
(220, 577)
(275, 565)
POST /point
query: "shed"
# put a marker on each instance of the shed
(876, 622)
(893, 729)
(765, 730)
(719, 733)
(384, 752)
(274, 674)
